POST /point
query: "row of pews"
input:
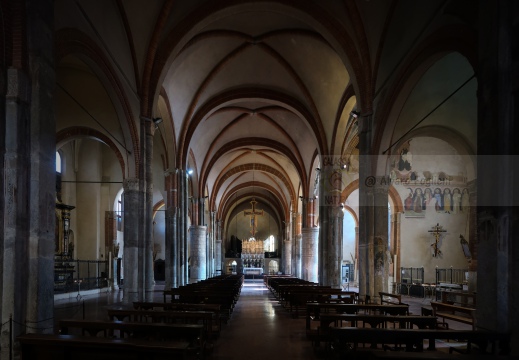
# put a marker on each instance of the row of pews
(340, 325)
(185, 326)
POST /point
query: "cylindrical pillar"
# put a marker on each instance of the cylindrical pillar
(309, 256)
(288, 257)
(197, 253)
(131, 240)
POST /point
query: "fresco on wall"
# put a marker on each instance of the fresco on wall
(430, 177)
(446, 200)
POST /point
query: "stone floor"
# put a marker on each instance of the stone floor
(259, 328)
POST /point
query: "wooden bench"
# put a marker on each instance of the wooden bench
(456, 313)
(394, 299)
(348, 338)
(314, 310)
(193, 334)
(459, 298)
(322, 333)
(298, 299)
(225, 300)
(215, 308)
(204, 318)
(72, 347)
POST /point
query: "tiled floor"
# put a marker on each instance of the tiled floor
(259, 328)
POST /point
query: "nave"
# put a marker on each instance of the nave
(259, 328)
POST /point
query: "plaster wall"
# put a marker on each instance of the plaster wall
(69, 189)
(416, 250)
(348, 240)
(88, 208)
(159, 234)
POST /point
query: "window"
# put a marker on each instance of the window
(58, 162)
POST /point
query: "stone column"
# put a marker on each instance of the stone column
(15, 213)
(472, 280)
(498, 170)
(380, 237)
(132, 263)
(211, 245)
(170, 248)
(218, 249)
(181, 233)
(330, 203)
(198, 253)
(288, 250)
(147, 254)
(373, 219)
(309, 256)
(334, 259)
(297, 245)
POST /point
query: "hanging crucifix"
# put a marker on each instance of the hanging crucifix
(437, 230)
(252, 213)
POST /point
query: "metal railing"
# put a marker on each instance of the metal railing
(72, 275)
(412, 275)
(451, 276)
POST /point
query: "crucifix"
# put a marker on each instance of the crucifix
(436, 231)
(252, 213)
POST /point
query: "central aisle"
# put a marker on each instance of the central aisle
(260, 329)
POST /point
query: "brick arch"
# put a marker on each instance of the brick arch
(230, 199)
(74, 42)
(448, 39)
(392, 193)
(76, 132)
(249, 167)
(241, 142)
(158, 205)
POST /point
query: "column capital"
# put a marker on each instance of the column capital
(131, 184)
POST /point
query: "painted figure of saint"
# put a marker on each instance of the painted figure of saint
(438, 197)
(418, 200)
(447, 200)
(456, 201)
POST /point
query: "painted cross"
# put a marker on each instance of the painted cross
(252, 213)
(437, 230)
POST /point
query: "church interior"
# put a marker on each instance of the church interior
(354, 144)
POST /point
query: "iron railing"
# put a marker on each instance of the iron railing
(73, 275)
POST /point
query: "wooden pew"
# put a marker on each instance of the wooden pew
(322, 333)
(394, 299)
(414, 338)
(215, 308)
(456, 313)
(203, 317)
(225, 300)
(192, 333)
(314, 310)
(459, 298)
(72, 347)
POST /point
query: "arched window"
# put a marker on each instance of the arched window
(118, 208)
(58, 162)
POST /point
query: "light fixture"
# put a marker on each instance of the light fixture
(157, 121)
(189, 171)
(354, 114)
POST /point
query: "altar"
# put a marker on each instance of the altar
(252, 271)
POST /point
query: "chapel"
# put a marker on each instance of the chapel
(366, 143)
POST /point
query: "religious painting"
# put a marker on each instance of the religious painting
(418, 201)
